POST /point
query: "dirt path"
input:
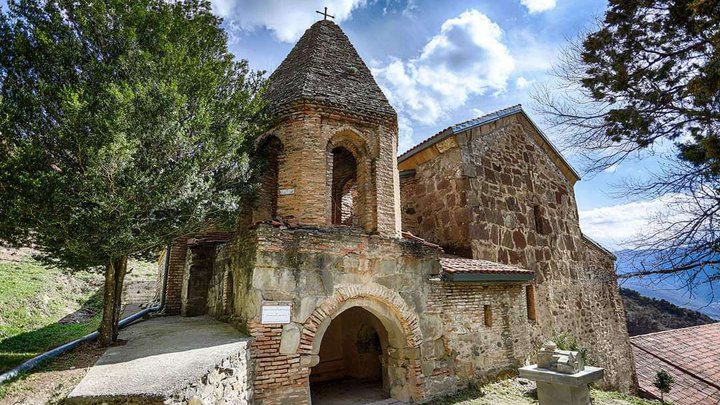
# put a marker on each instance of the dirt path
(51, 383)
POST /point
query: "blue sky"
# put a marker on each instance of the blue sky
(444, 62)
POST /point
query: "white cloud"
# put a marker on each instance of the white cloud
(612, 168)
(466, 58)
(522, 83)
(287, 20)
(537, 6)
(615, 226)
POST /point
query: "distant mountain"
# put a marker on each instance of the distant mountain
(703, 297)
(648, 315)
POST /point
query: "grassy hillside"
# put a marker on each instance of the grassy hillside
(43, 307)
(648, 315)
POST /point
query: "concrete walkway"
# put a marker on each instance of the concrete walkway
(160, 357)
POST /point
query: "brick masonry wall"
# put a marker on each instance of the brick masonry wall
(176, 269)
(303, 180)
(480, 351)
(523, 212)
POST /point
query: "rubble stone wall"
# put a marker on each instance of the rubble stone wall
(481, 349)
(524, 213)
(437, 209)
(228, 383)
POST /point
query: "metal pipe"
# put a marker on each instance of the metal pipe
(32, 363)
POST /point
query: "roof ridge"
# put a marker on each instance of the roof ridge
(514, 108)
(452, 128)
(713, 324)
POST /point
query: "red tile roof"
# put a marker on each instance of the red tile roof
(690, 355)
(455, 264)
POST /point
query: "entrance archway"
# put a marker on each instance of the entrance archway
(395, 323)
(352, 367)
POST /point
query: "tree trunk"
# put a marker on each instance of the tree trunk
(112, 300)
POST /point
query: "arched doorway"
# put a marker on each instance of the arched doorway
(353, 361)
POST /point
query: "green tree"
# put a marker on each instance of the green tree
(648, 79)
(663, 381)
(125, 124)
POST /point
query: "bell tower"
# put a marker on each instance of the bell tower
(332, 154)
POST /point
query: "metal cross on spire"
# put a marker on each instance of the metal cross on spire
(325, 14)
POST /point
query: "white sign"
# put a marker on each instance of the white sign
(275, 312)
(287, 191)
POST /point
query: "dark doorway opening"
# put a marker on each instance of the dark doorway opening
(352, 368)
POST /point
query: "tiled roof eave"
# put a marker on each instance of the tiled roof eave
(464, 269)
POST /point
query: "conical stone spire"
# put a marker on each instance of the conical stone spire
(324, 68)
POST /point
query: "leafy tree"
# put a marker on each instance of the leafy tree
(663, 381)
(125, 124)
(649, 78)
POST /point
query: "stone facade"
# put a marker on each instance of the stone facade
(519, 208)
(494, 194)
(228, 383)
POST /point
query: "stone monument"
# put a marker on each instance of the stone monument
(561, 376)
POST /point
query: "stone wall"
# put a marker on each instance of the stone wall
(523, 212)
(480, 349)
(437, 340)
(228, 383)
(437, 210)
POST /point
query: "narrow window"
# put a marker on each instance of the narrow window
(344, 187)
(530, 297)
(488, 316)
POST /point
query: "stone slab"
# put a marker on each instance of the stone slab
(583, 378)
(160, 357)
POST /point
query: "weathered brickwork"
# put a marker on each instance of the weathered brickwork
(480, 351)
(173, 292)
(305, 164)
(436, 341)
(523, 212)
(494, 192)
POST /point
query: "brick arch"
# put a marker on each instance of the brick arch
(269, 151)
(388, 306)
(352, 141)
(350, 138)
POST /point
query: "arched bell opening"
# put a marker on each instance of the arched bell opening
(344, 178)
(270, 155)
(349, 182)
(352, 360)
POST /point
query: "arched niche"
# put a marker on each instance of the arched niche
(269, 152)
(349, 182)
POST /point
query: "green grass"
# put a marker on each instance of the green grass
(511, 392)
(33, 299)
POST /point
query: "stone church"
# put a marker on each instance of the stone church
(418, 274)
